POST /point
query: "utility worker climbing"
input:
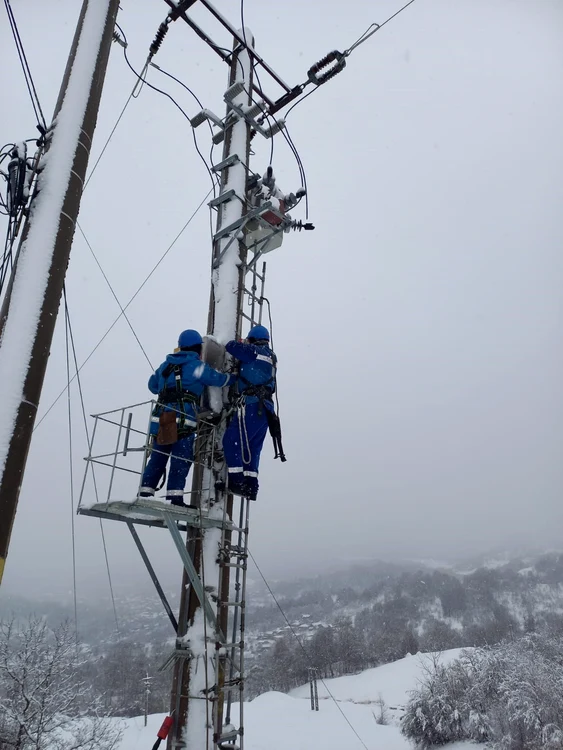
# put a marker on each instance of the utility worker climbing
(179, 383)
(254, 412)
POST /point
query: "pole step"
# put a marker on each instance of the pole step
(228, 162)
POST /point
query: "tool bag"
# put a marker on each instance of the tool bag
(172, 423)
(167, 428)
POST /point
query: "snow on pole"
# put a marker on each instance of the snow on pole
(226, 277)
(198, 719)
(30, 307)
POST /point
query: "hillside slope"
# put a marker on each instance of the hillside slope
(276, 721)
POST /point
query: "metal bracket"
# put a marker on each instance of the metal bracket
(228, 162)
(206, 114)
(243, 221)
(193, 576)
(223, 198)
(153, 576)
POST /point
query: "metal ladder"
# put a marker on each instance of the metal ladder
(229, 662)
(233, 556)
(253, 301)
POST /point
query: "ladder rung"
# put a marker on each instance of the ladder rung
(231, 688)
(234, 644)
(242, 566)
(229, 736)
(257, 275)
(232, 604)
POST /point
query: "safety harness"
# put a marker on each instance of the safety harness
(263, 393)
(178, 396)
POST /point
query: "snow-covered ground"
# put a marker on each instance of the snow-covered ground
(390, 682)
(275, 721)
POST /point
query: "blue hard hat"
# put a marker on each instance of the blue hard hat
(189, 338)
(259, 333)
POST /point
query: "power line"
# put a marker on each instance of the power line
(369, 32)
(286, 135)
(102, 152)
(70, 336)
(198, 100)
(255, 71)
(25, 67)
(290, 626)
(115, 295)
(162, 257)
(169, 96)
(71, 472)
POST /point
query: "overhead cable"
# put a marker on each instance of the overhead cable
(26, 69)
(143, 80)
(315, 76)
(114, 295)
(112, 326)
(71, 472)
(87, 431)
(300, 642)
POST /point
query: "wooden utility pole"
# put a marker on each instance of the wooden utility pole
(194, 727)
(23, 363)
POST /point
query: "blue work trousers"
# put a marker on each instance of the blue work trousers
(242, 445)
(181, 454)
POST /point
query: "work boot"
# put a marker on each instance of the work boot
(236, 485)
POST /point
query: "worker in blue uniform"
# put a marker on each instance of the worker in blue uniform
(179, 383)
(254, 413)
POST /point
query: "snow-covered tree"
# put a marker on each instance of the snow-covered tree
(42, 702)
(510, 695)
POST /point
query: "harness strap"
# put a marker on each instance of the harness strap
(177, 395)
(170, 395)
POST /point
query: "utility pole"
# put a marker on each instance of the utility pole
(147, 684)
(29, 310)
(313, 688)
(193, 727)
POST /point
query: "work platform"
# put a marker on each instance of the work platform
(154, 513)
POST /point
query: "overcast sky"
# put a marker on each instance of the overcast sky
(418, 329)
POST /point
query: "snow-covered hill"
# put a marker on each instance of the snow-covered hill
(276, 721)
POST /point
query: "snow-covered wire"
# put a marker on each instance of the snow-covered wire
(169, 96)
(25, 67)
(87, 431)
(137, 339)
(309, 660)
(292, 146)
(157, 264)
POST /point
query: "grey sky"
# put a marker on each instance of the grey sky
(418, 328)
